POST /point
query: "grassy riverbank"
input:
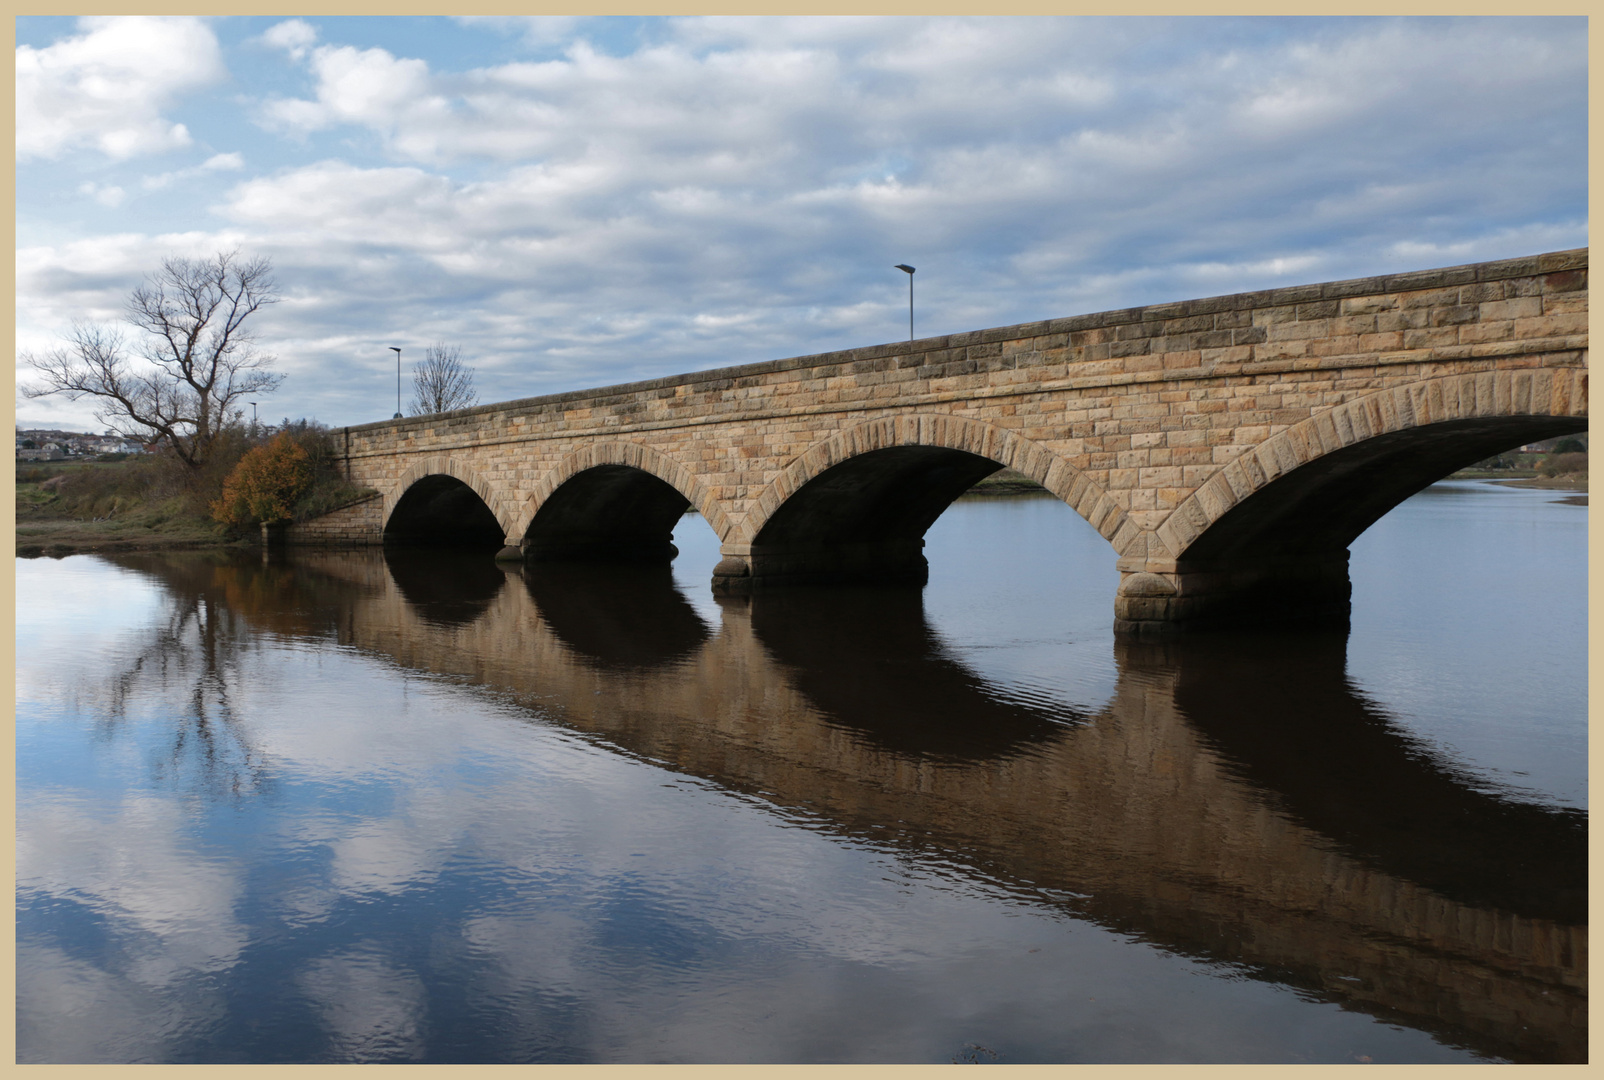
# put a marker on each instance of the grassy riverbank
(68, 507)
(148, 502)
(1562, 482)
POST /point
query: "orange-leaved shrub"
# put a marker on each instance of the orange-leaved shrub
(266, 483)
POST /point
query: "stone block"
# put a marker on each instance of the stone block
(1454, 316)
(1216, 358)
(1551, 325)
(1280, 350)
(1166, 476)
(1298, 331)
(1428, 298)
(1295, 294)
(1368, 304)
(1413, 319)
(1519, 308)
(1431, 338)
(1335, 345)
(1274, 316)
(1319, 309)
(1482, 332)
(1565, 281)
(1562, 260)
(1482, 292)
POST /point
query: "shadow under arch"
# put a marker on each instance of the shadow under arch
(854, 508)
(1267, 536)
(443, 504)
(1284, 717)
(622, 618)
(614, 502)
(869, 660)
(445, 588)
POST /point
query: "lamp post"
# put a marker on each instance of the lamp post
(253, 419)
(904, 267)
(397, 350)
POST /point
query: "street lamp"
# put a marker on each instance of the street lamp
(397, 350)
(905, 268)
(253, 417)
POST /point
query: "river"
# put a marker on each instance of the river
(405, 806)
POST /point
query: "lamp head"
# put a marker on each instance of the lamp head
(396, 349)
(904, 267)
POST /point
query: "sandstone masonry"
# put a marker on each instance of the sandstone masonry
(1182, 432)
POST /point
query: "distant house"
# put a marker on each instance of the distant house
(47, 452)
(37, 444)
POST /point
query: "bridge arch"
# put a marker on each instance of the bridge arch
(858, 503)
(1380, 449)
(1001, 447)
(614, 501)
(441, 500)
(1276, 522)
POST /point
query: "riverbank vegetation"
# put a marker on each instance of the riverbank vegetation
(1004, 482)
(160, 501)
(1559, 464)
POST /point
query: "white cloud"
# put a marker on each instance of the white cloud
(104, 194)
(366, 87)
(107, 87)
(294, 36)
(216, 163)
(537, 30)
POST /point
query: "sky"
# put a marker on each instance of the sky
(579, 202)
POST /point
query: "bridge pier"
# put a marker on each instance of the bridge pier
(1165, 597)
(745, 568)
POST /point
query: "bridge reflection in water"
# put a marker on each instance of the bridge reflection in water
(1234, 800)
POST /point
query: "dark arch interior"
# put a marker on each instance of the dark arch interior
(1323, 506)
(442, 511)
(610, 513)
(891, 494)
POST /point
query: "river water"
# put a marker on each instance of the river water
(349, 806)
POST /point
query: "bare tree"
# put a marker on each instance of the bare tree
(442, 382)
(199, 357)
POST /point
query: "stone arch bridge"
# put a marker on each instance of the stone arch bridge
(1229, 449)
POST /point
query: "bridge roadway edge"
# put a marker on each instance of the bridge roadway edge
(1146, 410)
